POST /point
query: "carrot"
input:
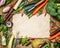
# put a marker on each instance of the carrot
(30, 0)
(38, 8)
(39, 2)
(52, 37)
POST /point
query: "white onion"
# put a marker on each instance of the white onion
(2, 2)
(6, 9)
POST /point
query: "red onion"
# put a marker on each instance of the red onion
(2, 2)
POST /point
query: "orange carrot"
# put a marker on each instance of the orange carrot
(53, 37)
(38, 8)
(39, 2)
(30, 0)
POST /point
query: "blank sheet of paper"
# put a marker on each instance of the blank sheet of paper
(35, 27)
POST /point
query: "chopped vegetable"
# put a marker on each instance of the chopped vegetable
(24, 40)
(11, 41)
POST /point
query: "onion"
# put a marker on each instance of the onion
(2, 2)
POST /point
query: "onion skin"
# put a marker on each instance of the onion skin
(6, 9)
(2, 2)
